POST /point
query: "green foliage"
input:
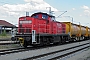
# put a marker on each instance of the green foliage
(4, 33)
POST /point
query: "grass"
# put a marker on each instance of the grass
(4, 35)
(9, 46)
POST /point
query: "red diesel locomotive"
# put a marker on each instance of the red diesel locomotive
(41, 29)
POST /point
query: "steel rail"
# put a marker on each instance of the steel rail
(46, 54)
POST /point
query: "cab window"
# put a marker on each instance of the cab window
(53, 18)
(44, 16)
(35, 16)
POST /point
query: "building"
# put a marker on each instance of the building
(6, 26)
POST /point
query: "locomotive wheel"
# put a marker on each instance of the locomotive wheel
(48, 42)
(44, 41)
(60, 42)
(41, 43)
(25, 44)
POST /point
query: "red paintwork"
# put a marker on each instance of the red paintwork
(41, 25)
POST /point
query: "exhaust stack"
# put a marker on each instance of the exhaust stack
(27, 13)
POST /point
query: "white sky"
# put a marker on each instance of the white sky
(11, 12)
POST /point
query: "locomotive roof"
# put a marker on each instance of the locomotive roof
(43, 13)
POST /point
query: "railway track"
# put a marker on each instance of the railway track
(16, 50)
(22, 49)
(53, 55)
(8, 42)
(60, 53)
